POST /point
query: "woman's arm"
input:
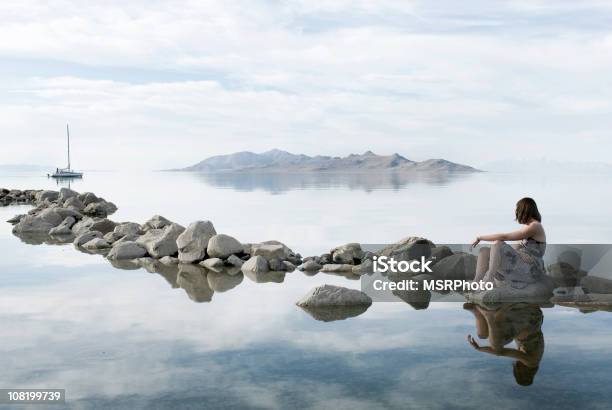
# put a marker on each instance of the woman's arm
(525, 232)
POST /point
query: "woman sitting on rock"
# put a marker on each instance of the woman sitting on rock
(519, 266)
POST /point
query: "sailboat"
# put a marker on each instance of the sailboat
(66, 172)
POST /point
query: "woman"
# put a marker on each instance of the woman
(519, 322)
(518, 266)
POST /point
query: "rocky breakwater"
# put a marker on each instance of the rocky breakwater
(82, 218)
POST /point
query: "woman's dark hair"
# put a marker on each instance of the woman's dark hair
(523, 374)
(526, 209)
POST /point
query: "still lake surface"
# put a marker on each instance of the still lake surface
(131, 339)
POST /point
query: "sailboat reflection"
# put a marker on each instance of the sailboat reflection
(518, 322)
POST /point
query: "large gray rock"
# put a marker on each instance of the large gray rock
(350, 253)
(538, 292)
(96, 244)
(49, 196)
(83, 225)
(32, 224)
(127, 228)
(256, 264)
(310, 266)
(88, 197)
(193, 242)
(337, 267)
(65, 194)
(596, 284)
(438, 253)
(74, 203)
(329, 295)
(127, 250)
(85, 237)
(234, 261)
(222, 246)
(408, 249)
(161, 242)
(100, 209)
(64, 227)
(213, 264)
(156, 222)
(270, 251)
(565, 274)
(102, 225)
(459, 266)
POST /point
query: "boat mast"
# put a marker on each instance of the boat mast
(68, 135)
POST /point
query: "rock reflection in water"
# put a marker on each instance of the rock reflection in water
(222, 281)
(332, 313)
(32, 238)
(519, 322)
(278, 183)
(192, 279)
(266, 277)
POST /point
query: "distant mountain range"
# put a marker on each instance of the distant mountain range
(282, 161)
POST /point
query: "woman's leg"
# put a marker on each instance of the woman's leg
(482, 264)
(495, 259)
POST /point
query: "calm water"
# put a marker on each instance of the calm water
(133, 339)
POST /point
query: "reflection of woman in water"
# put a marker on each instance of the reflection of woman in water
(519, 322)
(518, 266)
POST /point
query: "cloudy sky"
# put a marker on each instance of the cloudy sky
(154, 84)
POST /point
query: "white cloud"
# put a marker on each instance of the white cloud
(423, 79)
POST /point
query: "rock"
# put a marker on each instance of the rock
(351, 254)
(310, 266)
(112, 237)
(82, 226)
(272, 250)
(65, 194)
(169, 260)
(100, 209)
(596, 284)
(276, 264)
(564, 274)
(127, 228)
(192, 279)
(102, 225)
(235, 261)
(49, 196)
(590, 302)
(538, 292)
(64, 227)
(222, 282)
(438, 253)
(32, 224)
(329, 295)
(367, 266)
(96, 244)
(222, 246)
(213, 264)
(74, 203)
(51, 216)
(161, 242)
(85, 237)
(126, 238)
(87, 198)
(461, 266)
(419, 299)
(324, 259)
(16, 219)
(257, 264)
(156, 222)
(336, 267)
(127, 250)
(408, 249)
(193, 242)
(289, 267)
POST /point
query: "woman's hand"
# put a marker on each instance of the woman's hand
(473, 342)
(476, 242)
